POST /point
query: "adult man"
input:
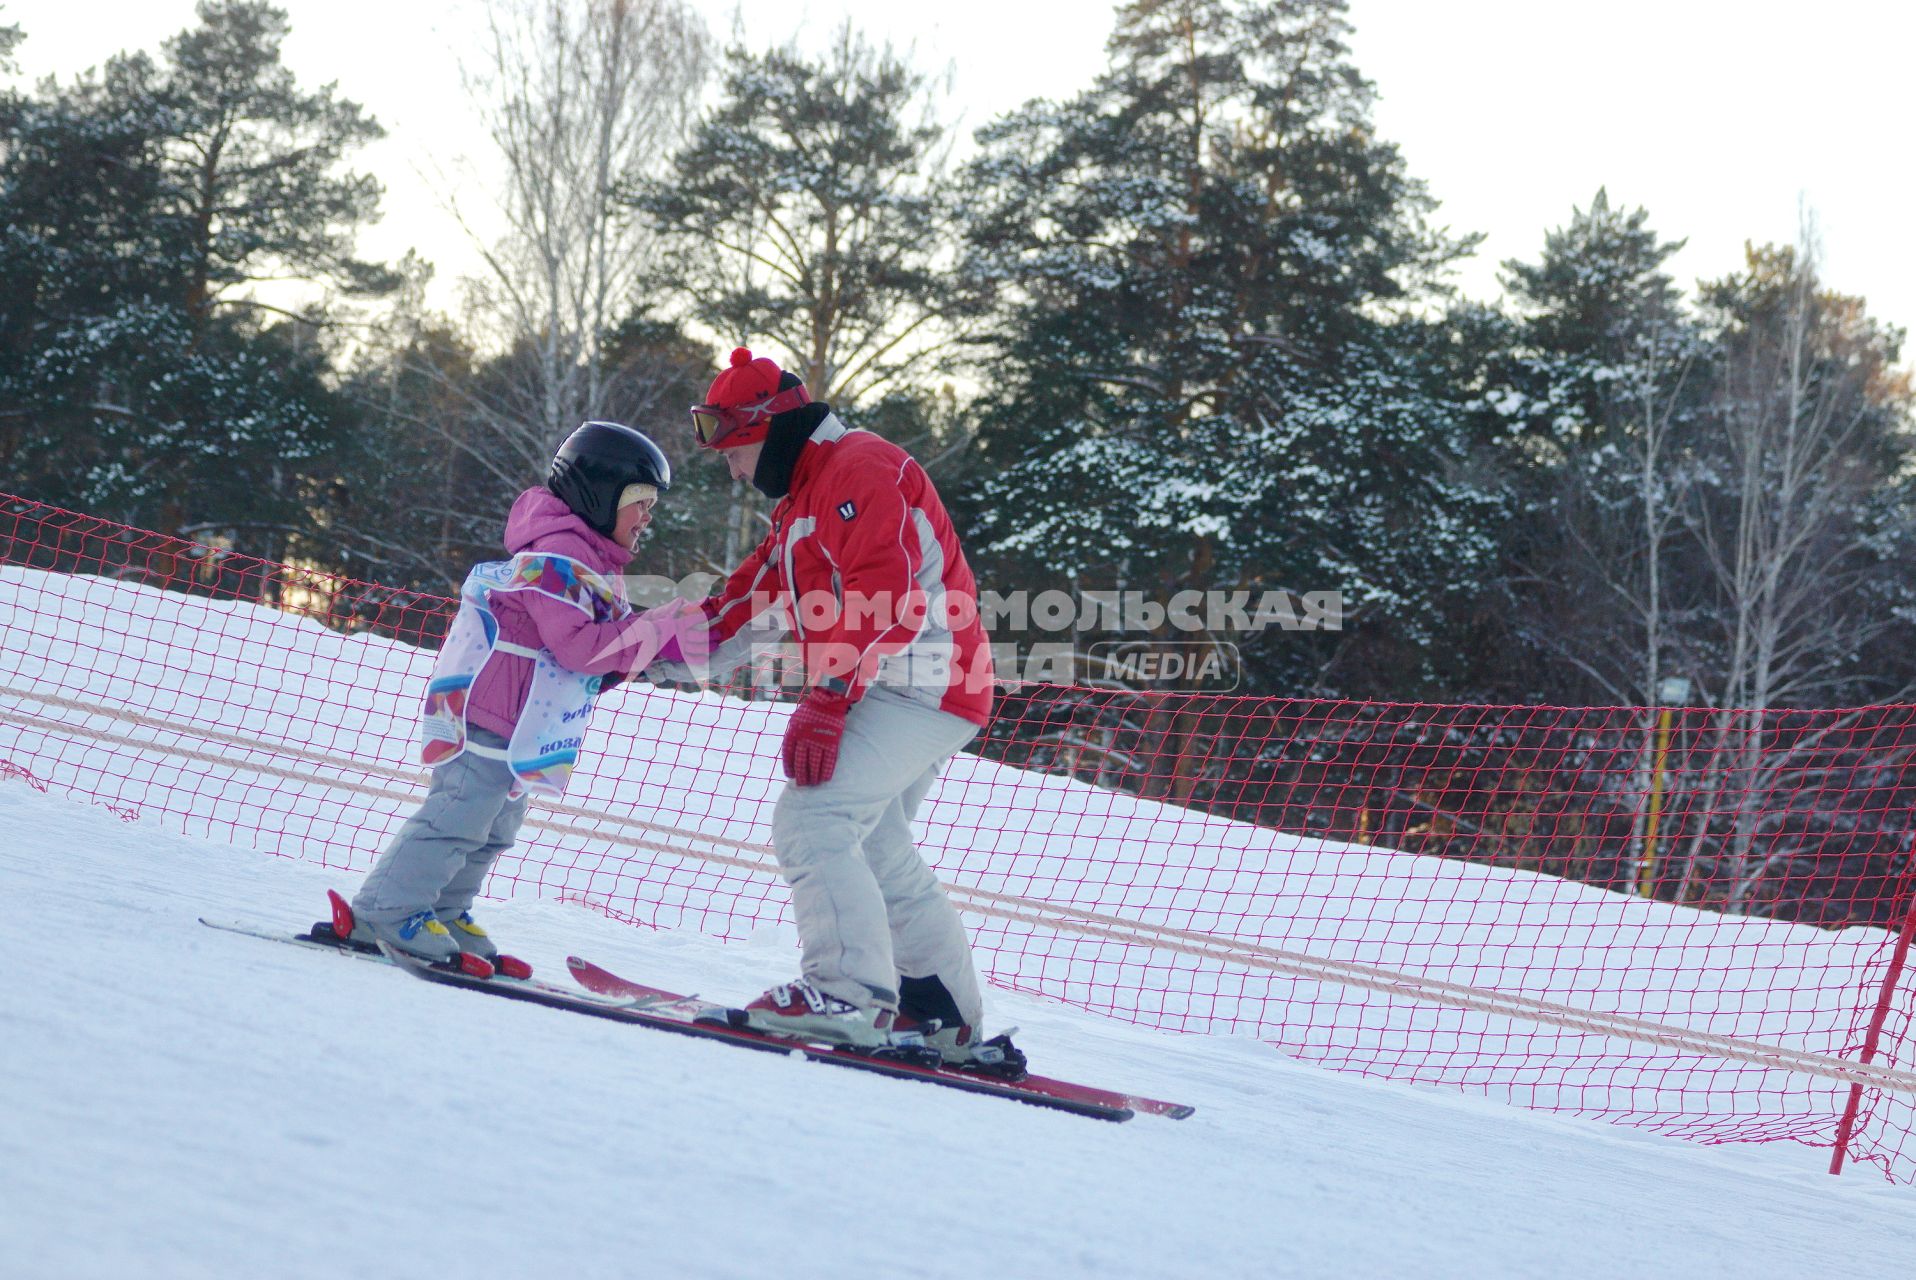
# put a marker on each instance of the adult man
(863, 564)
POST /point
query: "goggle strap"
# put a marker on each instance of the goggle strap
(782, 401)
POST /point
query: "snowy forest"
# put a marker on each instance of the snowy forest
(1191, 326)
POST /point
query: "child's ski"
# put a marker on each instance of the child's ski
(324, 937)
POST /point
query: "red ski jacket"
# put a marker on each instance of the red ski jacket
(864, 563)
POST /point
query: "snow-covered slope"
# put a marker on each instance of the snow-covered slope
(265, 730)
(182, 1102)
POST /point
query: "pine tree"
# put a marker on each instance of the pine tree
(809, 211)
(1205, 370)
(1591, 306)
(251, 161)
(133, 204)
(1595, 402)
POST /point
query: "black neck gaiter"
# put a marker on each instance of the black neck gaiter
(786, 440)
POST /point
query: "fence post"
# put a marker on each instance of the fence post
(1883, 997)
(1659, 762)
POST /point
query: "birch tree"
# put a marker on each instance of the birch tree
(579, 98)
(1803, 508)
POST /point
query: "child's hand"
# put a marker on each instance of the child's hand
(683, 631)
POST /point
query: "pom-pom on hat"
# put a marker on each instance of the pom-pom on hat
(739, 405)
(745, 381)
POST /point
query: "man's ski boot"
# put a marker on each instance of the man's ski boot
(800, 1010)
(926, 1008)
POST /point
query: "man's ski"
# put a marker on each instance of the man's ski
(664, 1011)
(706, 1013)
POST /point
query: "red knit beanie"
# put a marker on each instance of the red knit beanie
(748, 381)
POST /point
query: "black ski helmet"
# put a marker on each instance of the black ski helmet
(597, 462)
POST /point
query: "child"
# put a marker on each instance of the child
(535, 640)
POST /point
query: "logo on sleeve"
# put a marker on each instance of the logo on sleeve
(846, 510)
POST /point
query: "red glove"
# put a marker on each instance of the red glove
(811, 738)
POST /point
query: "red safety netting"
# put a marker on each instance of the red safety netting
(1681, 920)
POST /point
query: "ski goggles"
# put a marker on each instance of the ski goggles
(713, 424)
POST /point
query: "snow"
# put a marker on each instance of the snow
(184, 1102)
(301, 737)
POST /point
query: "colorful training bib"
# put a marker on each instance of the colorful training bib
(551, 729)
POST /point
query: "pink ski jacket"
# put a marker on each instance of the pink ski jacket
(542, 522)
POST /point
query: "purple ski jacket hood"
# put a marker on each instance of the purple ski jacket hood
(541, 522)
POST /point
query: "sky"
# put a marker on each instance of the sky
(1724, 121)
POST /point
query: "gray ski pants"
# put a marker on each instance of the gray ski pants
(440, 857)
(868, 908)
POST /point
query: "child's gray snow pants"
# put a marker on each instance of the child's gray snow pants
(440, 857)
(868, 908)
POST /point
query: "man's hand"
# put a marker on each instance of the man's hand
(811, 738)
